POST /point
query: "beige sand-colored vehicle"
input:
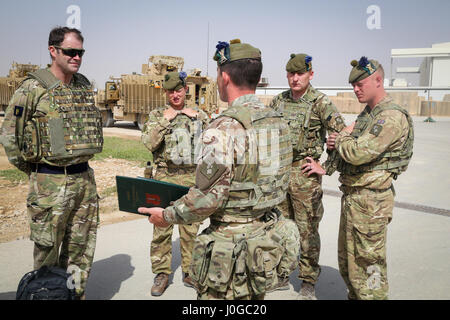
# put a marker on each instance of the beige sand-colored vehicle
(132, 96)
(9, 84)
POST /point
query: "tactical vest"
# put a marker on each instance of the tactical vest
(396, 161)
(307, 138)
(72, 128)
(180, 143)
(267, 164)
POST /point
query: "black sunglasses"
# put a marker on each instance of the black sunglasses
(71, 52)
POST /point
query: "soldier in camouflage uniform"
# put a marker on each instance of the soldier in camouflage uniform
(51, 129)
(310, 115)
(171, 134)
(243, 173)
(373, 151)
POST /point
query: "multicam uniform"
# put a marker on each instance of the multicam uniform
(50, 132)
(173, 145)
(309, 118)
(377, 151)
(242, 175)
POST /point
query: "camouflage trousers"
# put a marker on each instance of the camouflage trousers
(161, 245)
(304, 206)
(365, 215)
(64, 217)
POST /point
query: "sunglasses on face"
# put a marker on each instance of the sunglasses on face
(71, 52)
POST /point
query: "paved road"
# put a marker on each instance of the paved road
(418, 246)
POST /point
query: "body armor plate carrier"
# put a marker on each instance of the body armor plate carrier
(265, 185)
(71, 129)
(396, 161)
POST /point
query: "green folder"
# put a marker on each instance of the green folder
(138, 192)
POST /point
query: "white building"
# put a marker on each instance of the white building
(434, 70)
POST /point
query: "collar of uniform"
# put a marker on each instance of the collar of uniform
(72, 81)
(305, 95)
(387, 99)
(246, 99)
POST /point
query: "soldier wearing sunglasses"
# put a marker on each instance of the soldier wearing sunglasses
(51, 129)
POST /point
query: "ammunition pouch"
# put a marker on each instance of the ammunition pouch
(249, 264)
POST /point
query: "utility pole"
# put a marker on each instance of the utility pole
(207, 53)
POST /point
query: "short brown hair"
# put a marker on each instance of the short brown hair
(244, 73)
(56, 36)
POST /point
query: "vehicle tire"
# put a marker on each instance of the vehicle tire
(107, 118)
(141, 120)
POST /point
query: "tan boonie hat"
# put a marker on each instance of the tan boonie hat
(235, 50)
(362, 69)
(300, 62)
(174, 80)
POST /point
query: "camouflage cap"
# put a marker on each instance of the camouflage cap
(362, 69)
(235, 50)
(174, 80)
(300, 62)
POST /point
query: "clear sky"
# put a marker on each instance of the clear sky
(121, 35)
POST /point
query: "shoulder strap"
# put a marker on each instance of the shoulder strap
(313, 95)
(237, 113)
(45, 78)
(82, 79)
(382, 108)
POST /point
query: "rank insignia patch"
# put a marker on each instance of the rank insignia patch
(208, 169)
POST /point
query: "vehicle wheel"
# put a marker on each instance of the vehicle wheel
(107, 118)
(141, 120)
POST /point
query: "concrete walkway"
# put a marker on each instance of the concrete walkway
(418, 239)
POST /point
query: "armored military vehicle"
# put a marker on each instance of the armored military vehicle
(9, 84)
(132, 96)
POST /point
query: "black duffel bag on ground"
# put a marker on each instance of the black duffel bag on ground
(47, 283)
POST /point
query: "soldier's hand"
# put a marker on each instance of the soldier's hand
(331, 141)
(312, 167)
(191, 113)
(156, 216)
(349, 128)
(170, 113)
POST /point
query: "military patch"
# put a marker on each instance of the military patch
(208, 170)
(376, 129)
(209, 173)
(329, 117)
(18, 111)
(380, 121)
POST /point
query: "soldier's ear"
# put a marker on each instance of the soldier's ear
(378, 79)
(52, 51)
(225, 78)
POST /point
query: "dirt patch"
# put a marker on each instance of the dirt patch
(13, 214)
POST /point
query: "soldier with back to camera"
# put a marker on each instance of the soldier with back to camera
(242, 174)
